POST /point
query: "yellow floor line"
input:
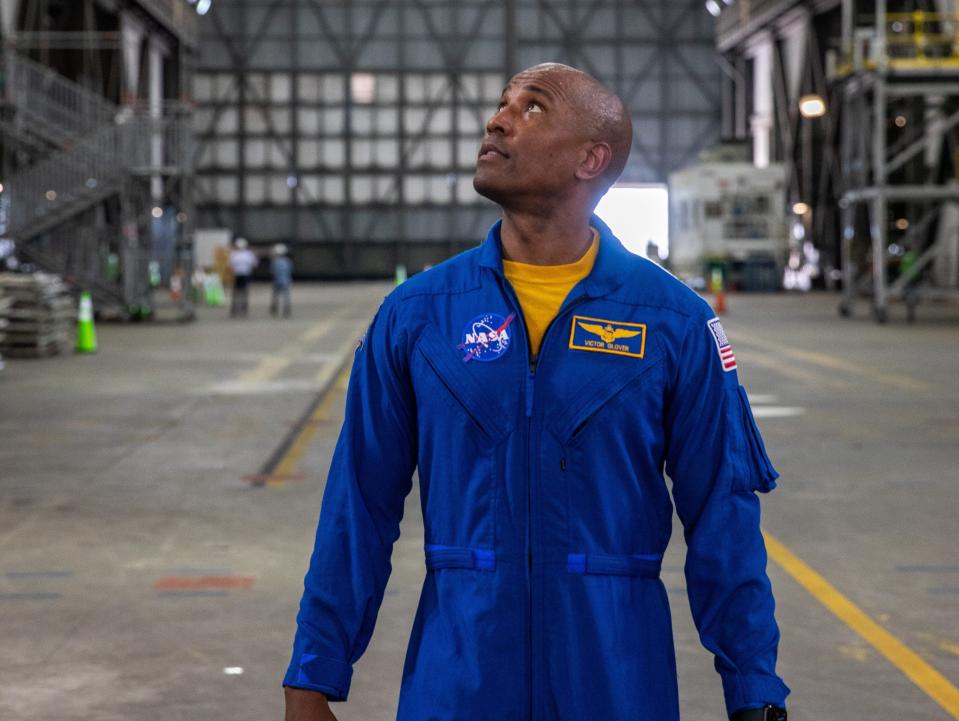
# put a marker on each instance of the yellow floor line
(289, 463)
(950, 647)
(268, 368)
(916, 669)
(825, 360)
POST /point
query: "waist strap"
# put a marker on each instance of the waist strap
(440, 556)
(645, 566)
(484, 559)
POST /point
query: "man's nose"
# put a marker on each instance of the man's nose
(499, 122)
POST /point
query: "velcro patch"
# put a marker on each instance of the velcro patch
(608, 336)
(723, 347)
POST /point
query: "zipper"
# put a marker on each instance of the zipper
(532, 362)
(530, 380)
(530, 387)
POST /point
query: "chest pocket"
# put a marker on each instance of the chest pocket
(596, 393)
(464, 385)
(611, 441)
(462, 427)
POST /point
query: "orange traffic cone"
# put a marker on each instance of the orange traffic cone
(719, 302)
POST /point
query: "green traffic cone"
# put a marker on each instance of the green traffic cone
(154, 273)
(86, 333)
(219, 295)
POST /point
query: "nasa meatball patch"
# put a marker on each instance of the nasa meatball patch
(486, 337)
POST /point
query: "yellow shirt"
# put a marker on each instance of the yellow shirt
(541, 289)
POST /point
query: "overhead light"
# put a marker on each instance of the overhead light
(203, 6)
(800, 208)
(157, 212)
(1, 187)
(902, 224)
(812, 106)
(713, 7)
(901, 121)
(51, 195)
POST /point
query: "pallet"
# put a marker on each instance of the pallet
(39, 315)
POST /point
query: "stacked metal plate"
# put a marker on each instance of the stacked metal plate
(40, 315)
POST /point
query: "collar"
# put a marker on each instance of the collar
(608, 273)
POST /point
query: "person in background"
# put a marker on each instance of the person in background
(282, 269)
(242, 262)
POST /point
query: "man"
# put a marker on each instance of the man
(243, 261)
(541, 428)
(281, 267)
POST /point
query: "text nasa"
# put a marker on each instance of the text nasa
(487, 338)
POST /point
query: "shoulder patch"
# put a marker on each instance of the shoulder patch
(723, 347)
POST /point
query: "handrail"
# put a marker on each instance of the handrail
(96, 166)
(922, 33)
(49, 103)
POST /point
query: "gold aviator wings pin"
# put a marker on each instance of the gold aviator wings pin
(608, 334)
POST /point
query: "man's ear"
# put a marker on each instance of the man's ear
(595, 162)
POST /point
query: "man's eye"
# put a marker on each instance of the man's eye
(534, 107)
(502, 104)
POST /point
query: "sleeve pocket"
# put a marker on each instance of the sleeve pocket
(757, 472)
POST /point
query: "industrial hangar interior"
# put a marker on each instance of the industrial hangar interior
(204, 203)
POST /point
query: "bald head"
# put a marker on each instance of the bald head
(601, 115)
(558, 137)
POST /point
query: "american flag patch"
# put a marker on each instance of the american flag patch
(723, 347)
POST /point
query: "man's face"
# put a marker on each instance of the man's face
(533, 143)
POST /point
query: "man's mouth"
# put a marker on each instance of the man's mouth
(489, 151)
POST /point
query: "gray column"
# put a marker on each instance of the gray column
(9, 10)
(156, 51)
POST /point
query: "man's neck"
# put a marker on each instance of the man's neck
(556, 239)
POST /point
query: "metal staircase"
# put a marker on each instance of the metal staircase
(42, 109)
(86, 150)
(69, 181)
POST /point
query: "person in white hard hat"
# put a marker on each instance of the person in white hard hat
(242, 262)
(282, 269)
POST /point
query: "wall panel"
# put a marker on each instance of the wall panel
(296, 145)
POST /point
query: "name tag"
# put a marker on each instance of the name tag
(607, 336)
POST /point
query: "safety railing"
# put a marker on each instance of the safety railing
(917, 40)
(922, 35)
(51, 191)
(48, 104)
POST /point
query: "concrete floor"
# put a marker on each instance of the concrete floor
(138, 561)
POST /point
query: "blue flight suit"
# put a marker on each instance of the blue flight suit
(545, 508)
